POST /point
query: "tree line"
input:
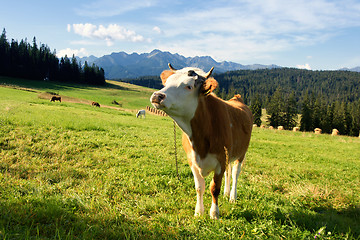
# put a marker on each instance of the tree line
(322, 99)
(315, 112)
(31, 61)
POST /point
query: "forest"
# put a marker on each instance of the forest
(30, 61)
(324, 99)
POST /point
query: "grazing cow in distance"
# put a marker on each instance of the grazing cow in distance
(296, 129)
(140, 113)
(216, 133)
(55, 98)
(96, 104)
(280, 128)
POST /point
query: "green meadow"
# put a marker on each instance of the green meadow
(73, 171)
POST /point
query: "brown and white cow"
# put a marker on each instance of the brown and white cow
(216, 133)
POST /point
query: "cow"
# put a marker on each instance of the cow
(96, 104)
(140, 113)
(55, 98)
(216, 133)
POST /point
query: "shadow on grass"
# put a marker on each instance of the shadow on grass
(68, 219)
(55, 86)
(341, 223)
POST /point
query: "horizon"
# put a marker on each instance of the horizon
(320, 35)
(341, 69)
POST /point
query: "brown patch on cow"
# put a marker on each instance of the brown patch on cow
(164, 76)
(214, 133)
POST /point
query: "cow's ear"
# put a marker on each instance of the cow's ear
(164, 75)
(208, 86)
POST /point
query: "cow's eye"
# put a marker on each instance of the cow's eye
(189, 87)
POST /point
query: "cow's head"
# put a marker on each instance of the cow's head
(181, 91)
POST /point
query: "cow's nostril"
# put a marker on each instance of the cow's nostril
(161, 96)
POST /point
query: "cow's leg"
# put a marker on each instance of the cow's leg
(227, 180)
(200, 189)
(235, 174)
(215, 187)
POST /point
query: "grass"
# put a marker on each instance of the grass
(72, 171)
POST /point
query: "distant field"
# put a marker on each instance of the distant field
(72, 171)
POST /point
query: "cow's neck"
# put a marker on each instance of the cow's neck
(201, 125)
(184, 124)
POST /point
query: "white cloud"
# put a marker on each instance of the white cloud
(157, 30)
(110, 34)
(69, 27)
(306, 66)
(69, 52)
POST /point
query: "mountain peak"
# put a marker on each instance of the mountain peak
(122, 65)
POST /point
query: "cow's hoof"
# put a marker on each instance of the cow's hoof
(214, 212)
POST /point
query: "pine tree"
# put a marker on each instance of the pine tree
(306, 115)
(276, 109)
(4, 54)
(256, 110)
(290, 112)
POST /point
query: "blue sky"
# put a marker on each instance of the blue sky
(316, 34)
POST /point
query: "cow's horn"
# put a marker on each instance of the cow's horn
(171, 67)
(209, 73)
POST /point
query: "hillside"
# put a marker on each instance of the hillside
(72, 171)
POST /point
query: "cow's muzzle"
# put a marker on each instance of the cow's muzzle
(157, 99)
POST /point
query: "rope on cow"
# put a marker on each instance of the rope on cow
(176, 161)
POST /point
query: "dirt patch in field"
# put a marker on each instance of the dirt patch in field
(46, 95)
(19, 88)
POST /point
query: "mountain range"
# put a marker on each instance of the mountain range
(122, 65)
(355, 69)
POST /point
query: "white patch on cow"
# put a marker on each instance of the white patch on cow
(207, 164)
(227, 176)
(214, 211)
(233, 172)
(236, 169)
(200, 189)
